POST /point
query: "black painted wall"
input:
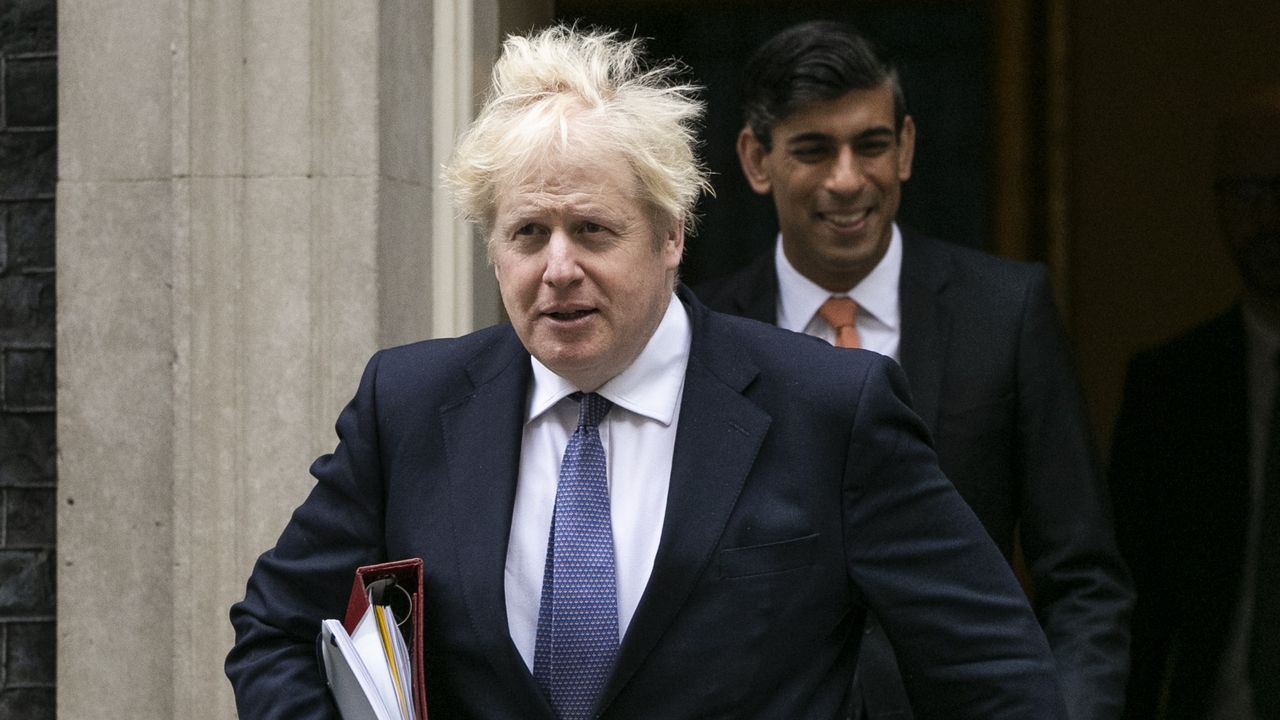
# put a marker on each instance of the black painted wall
(28, 469)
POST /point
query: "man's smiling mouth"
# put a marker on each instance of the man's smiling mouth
(845, 219)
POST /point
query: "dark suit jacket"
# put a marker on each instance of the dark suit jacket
(991, 377)
(1180, 474)
(802, 490)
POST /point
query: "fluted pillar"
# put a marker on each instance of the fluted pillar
(247, 208)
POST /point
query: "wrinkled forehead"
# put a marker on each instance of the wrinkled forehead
(602, 189)
(586, 170)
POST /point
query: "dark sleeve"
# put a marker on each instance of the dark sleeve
(307, 576)
(1133, 462)
(967, 641)
(1082, 590)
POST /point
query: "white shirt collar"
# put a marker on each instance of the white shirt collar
(650, 386)
(877, 295)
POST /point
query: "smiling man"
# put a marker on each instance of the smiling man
(827, 136)
(629, 506)
(835, 169)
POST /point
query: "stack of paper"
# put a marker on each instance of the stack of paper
(368, 671)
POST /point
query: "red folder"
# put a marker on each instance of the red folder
(406, 575)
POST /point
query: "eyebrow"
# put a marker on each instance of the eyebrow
(868, 134)
(535, 213)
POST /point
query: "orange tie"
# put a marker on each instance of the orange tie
(841, 313)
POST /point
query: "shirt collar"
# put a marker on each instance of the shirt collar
(650, 386)
(799, 297)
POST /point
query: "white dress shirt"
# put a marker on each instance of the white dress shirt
(879, 318)
(639, 436)
(1233, 699)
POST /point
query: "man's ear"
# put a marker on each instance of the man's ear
(906, 148)
(754, 159)
(673, 246)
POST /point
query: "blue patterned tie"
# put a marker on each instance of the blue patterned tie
(578, 614)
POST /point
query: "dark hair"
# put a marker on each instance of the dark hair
(807, 63)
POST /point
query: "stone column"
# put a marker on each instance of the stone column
(246, 209)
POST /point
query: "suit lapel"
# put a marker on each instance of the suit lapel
(1220, 398)
(719, 434)
(483, 431)
(926, 325)
(1227, 353)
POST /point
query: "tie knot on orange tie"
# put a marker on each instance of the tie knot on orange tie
(841, 313)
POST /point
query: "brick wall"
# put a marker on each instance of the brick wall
(28, 470)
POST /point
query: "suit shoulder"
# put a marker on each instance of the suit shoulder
(445, 361)
(795, 360)
(1186, 397)
(463, 346)
(976, 263)
(1206, 344)
(760, 337)
(974, 283)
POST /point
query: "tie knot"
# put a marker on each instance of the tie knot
(594, 408)
(839, 312)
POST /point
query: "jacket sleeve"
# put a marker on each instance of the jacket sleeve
(306, 577)
(1137, 453)
(1082, 590)
(967, 641)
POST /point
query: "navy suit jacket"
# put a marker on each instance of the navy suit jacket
(991, 377)
(1180, 474)
(802, 491)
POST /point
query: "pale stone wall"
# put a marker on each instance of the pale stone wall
(115, 382)
(246, 208)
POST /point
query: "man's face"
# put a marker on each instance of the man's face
(1248, 193)
(1249, 210)
(835, 170)
(584, 276)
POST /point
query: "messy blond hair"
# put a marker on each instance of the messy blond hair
(595, 84)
